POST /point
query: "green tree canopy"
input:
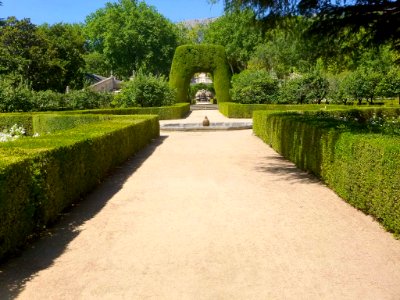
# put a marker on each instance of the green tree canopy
(64, 56)
(379, 19)
(237, 32)
(132, 36)
(21, 50)
(45, 57)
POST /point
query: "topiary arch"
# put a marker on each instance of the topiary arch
(191, 59)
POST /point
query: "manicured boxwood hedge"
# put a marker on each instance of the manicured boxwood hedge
(360, 166)
(44, 123)
(237, 110)
(39, 177)
(177, 111)
(191, 59)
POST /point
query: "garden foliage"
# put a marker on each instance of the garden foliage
(177, 111)
(39, 177)
(17, 97)
(254, 87)
(191, 59)
(237, 110)
(194, 88)
(145, 90)
(351, 150)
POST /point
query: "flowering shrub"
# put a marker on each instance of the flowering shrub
(385, 122)
(12, 134)
(388, 125)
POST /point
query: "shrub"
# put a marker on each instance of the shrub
(176, 111)
(362, 84)
(146, 91)
(338, 147)
(191, 59)
(87, 99)
(308, 88)
(254, 87)
(236, 110)
(47, 100)
(14, 97)
(39, 177)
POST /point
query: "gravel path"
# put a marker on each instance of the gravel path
(209, 215)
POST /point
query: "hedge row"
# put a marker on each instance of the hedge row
(191, 59)
(236, 110)
(39, 177)
(177, 111)
(361, 167)
(47, 123)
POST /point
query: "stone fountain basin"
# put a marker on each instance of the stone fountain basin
(213, 126)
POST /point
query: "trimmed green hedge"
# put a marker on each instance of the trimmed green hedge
(360, 166)
(191, 59)
(8, 120)
(177, 111)
(44, 123)
(39, 177)
(237, 110)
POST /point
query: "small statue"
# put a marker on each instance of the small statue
(206, 122)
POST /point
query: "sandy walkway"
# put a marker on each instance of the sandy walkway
(210, 215)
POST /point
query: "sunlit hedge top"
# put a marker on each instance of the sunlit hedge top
(191, 59)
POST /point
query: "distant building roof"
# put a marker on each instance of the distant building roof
(94, 77)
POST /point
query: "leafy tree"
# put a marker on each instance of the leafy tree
(308, 88)
(64, 56)
(362, 84)
(22, 51)
(337, 92)
(238, 34)
(191, 34)
(256, 87)
(132, 36)
(284, 50)
(389, 86)
(317, 87)
(97, 63)
(292, 91)
(45, 57)
(378, 19)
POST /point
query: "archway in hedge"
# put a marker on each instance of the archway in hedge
(191, 59)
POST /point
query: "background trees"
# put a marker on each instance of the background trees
(45, 57)
(238, 33)
(129, 35)
(378, 19)
(283, 51)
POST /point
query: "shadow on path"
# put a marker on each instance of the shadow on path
(41, 254)
(286, 170)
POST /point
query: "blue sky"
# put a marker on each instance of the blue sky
(75, 11)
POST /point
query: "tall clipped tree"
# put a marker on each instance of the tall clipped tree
(132, 35)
